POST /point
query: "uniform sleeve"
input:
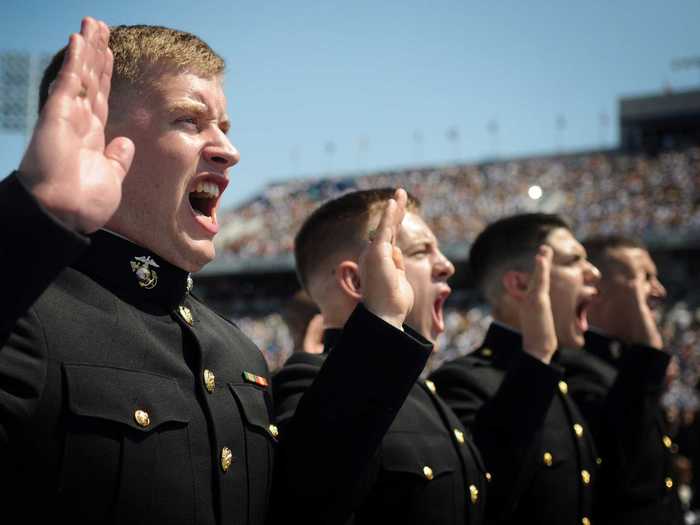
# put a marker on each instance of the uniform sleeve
(629, 432)
(506, 423)
(333, 429)
(36, 248)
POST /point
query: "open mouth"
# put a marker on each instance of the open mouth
(204, 200)
(582, 314)
(438, 317)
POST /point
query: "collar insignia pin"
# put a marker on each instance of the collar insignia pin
(143, 268)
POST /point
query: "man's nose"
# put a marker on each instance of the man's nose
(443, 267)
(591, 274)
(221, 152)
(657, 289)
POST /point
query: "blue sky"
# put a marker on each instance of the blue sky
(383, 81)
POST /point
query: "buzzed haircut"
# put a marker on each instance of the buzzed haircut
(339, 225)
(138, 48)
(598, 249)
(509, 244)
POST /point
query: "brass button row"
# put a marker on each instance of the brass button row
(209, 380)
(548, 459)
(585, 477)
(142, 418)
(473, 493)
(186, 314)
(226, 459)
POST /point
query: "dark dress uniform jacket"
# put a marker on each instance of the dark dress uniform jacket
(426, 470)
(530, 433)
(123, 399)
(618, 389)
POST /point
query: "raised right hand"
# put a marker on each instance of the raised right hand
(67, 166)
(535, 308)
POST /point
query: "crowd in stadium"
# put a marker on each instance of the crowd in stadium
(631, 194)
(466, 323)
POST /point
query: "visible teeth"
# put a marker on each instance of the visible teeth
(208, 189)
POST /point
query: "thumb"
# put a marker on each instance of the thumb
(121, 151)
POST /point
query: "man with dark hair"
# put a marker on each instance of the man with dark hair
(426, 469)
(638, 486)
(564, 455)
(544, 472)
(124, 399)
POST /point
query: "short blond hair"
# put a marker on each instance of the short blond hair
(138, 49)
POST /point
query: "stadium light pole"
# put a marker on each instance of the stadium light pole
(452, 135)
(493, 129)
(684, 63)
(418, 145)
(20, 75)
(329, 149)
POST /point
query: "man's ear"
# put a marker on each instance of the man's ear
(347, 277)
(516, 283)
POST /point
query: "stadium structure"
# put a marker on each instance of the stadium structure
(647, 187)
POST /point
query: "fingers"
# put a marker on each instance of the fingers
(391, 218)
(101, 104)
(539, 281)
(385, 229)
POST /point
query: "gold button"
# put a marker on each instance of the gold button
(669, 483)
(473, 493)
(585, 521)
(459, 436)
(563, 387)
(548, 459)
(488, 476)
(142, 418)
(487, 352)
(586, 477)
(226, 458)
(668, 442)
(273, 431)
(428, 472)
(598, 461)
(578, 430)
(430, 385)
(209, 380)
(186, 314)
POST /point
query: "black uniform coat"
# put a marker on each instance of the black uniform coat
(427, 469)
(530, 433)
(617, 388)
(123, 399)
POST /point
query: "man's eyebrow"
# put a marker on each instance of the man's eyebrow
(199, 109)
(188, 105)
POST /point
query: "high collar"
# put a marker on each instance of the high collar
(603, 346)
(500, 344)
(132, 272)
(331, 336)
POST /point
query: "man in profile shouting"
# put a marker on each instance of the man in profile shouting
(123, 399)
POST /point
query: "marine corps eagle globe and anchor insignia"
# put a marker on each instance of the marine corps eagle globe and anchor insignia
(143, 267)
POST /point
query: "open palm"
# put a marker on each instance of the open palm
(67, 166)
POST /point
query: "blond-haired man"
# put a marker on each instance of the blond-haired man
(124, 399)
